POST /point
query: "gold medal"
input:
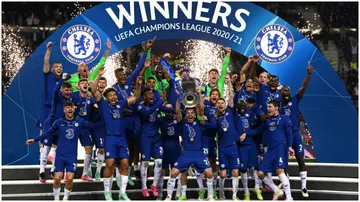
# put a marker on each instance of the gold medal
(84, 113)
(114, 116)
(225, 129)
(192, 139)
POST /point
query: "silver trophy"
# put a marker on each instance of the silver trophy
(191, 97)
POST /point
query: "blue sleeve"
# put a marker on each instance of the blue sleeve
(211, 123)
(123, 104)
(255, 131)
(137, 70)
(289, 131)
(167, 110)
(147, 111)
(164, 63)
(297, 98)
(172, 96)
(57, 89)
(258, 111)
(49, 132)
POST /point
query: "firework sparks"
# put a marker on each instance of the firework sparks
(77, 10)
(113, 62)
(13, 53)
(201, 56)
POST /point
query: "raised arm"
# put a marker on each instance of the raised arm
(231, 92)
(139, 82)
(221, 80)
(244, 69)
(253, 74)
(147, 111)
(46, 68)
(201, 103)
(94, 90)
(94, 73)
(165, 63)
(138, 69)
(145, 68)
(178, 110)
(306, 82)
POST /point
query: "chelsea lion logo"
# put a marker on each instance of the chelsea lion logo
(274, 43)
(80, 43)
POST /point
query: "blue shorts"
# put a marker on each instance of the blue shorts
(298, 145)
(210, 145)
(116, 147)
(86, 138)
(188, 158)
(275, 158)
(43, 115)
(52, 139)
(99, 136)
(248, 156)
(229, 157)
(151, 147)
(172, 151)
(68, 163)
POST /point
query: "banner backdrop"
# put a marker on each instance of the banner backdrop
(245, 27)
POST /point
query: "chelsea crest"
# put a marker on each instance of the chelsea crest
(274, 43)
(80, 43)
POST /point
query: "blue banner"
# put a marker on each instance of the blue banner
(245, 27)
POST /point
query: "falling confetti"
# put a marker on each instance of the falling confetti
(13, 53)
(77, 9)
(113, 62)
(201, 56)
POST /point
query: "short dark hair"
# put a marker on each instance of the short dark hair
(251, 100)
(102, 78)
(275, 103)
(184, 70)
(221, 99)
(68, 104)
(108, 90)
(81, 80)
(57, 63)
(144, 90)
(214, 70)
(119, 70)
(213, 90)
(66, 85)
(151, 77)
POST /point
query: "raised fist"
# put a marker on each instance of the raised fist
(310, 69)
(255, 58)
(64, 76)
(49, 45)
(228, 50)
(108, 44)
(147, 63)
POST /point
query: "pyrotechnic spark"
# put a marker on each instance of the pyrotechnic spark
(13, 53)
(113, 62)
(77, 10)
(201, 56)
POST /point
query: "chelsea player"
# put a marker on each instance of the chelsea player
(279, 138)
(51, 79)
(67, 129)
(115, 140)
(124, 89)
(290, 107)
(192, 153)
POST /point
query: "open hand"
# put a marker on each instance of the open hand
(30, 141)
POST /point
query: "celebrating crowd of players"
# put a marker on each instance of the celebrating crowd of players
(252, 133)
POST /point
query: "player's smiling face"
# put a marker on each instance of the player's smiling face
(271, 109)
(248, 85)
(214, 96)
(220, 104)
(264, 78)
(285, 93)
(121, 77)
(83, 86)
(57, 69)
(150, 83)
(112, 97)
(149, 97)
(213, 77)
(66, 92)
(69, 111)
(190, 115)
(102, 85)
(159, 72)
